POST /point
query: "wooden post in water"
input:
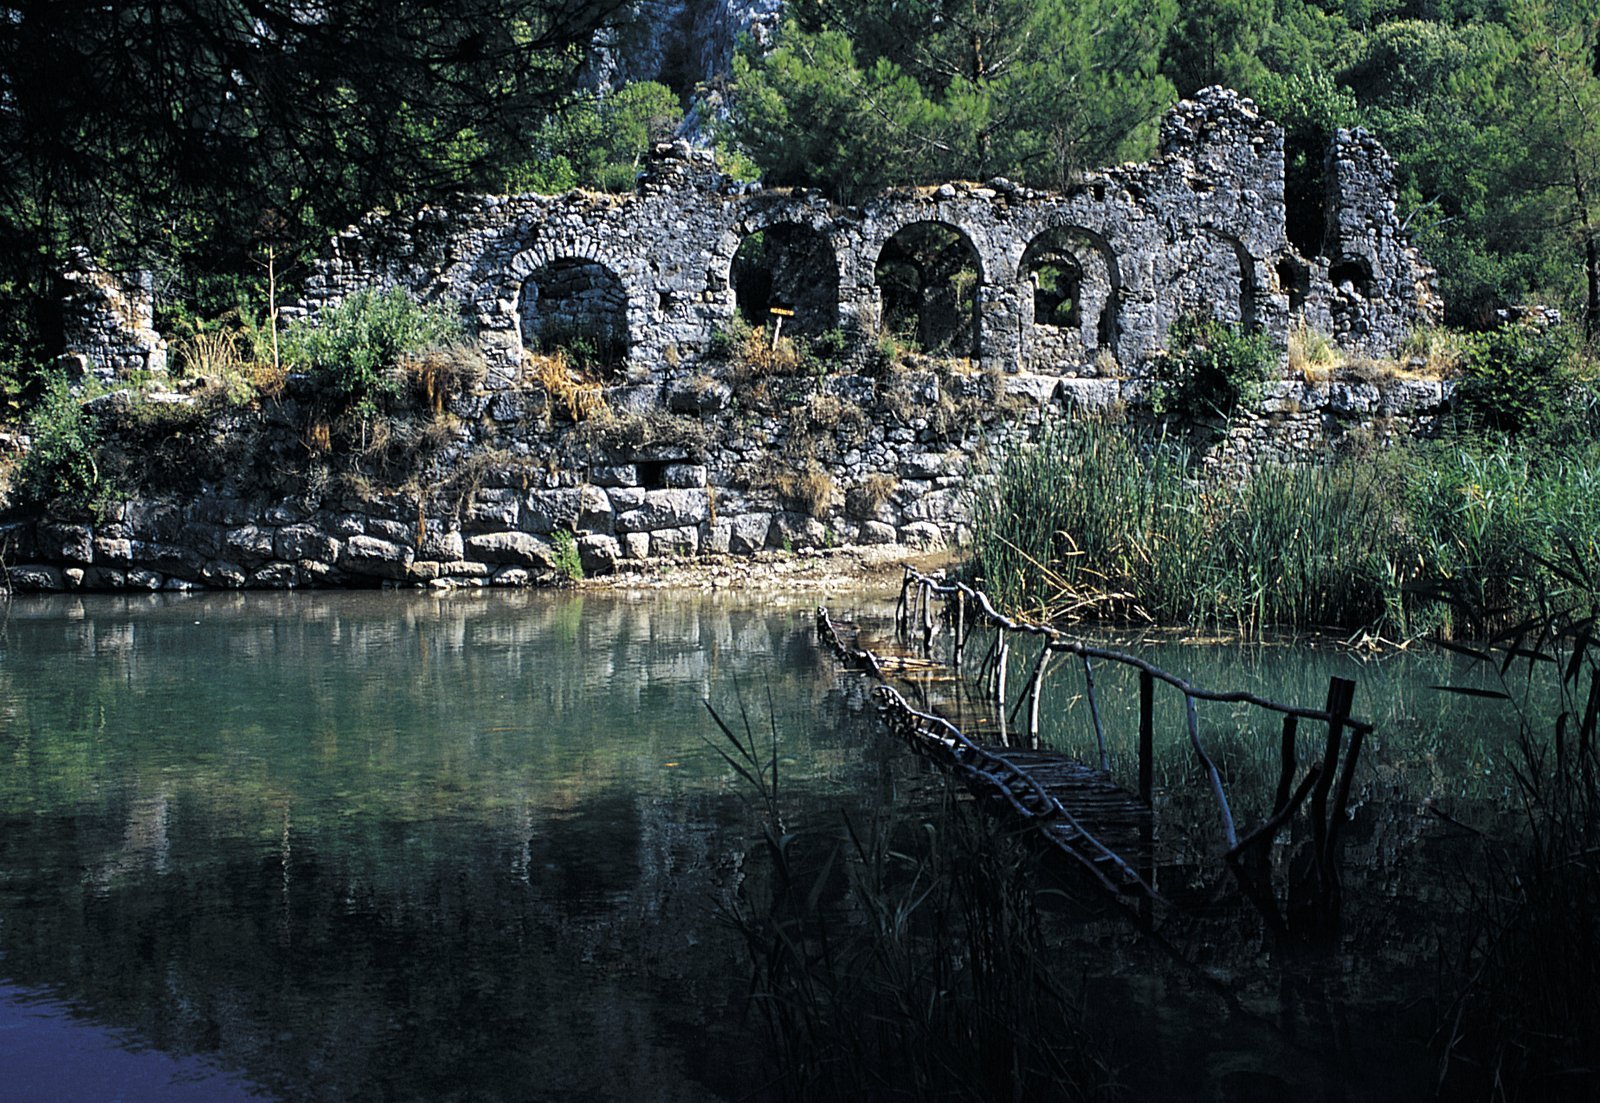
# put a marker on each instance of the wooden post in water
(1001, 652)
(961, 627)
(1341, 692)
(1147, 732)
(1035, 690)
(1094, 712)
(927, 619)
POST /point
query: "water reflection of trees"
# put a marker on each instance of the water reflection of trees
(415, 845)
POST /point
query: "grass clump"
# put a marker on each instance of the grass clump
(60, 464)
(1089, 521)
(903, 958)
(568, 564)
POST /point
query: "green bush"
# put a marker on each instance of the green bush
(351, 351)
(1517, 379)
(1210, 369)
(60, 465)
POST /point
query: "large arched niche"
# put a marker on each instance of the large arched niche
(787, 266)
(578, 306)
(927, 275)
(1072, 306)
(1215, 280)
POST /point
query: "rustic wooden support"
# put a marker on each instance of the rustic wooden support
(927, 618)
(961, 628)
(1341, 798)
(1001, 654)
(1228, 831)
(1094, 712)
(1291, 725)
(1324, 906)
(1147, 734)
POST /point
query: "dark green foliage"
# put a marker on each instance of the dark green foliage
(1210, 369)
(1519, 379)
(182, 136)
(60, 466)
(865, 94)
(598, 141)
(351, 352)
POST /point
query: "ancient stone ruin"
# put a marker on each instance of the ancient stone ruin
(1085, 283)
(1036, 303)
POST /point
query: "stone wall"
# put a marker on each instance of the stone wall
(842, 459)
(696, 455)
(1199, 230)
(109, 322)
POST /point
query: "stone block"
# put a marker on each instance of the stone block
(749, 532)
(296, 542)
(514, 548)
(636, 545)
(222, 575)
(675, 542)
(598, 554)
(876, 532)
(144, 580)
(72, 543)
(248, 542)
(684, 475)
(922, 535)
(110, 551)
(594, 511)
(545, 511)
(621, 474)
(494, 506)
(368, 555)
(35, 578)
(442, 545)
(274, 576)
(666, 509)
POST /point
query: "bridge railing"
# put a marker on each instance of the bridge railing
(1323, 789)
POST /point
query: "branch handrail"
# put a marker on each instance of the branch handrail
(1060, 643)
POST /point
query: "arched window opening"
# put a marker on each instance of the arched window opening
(579, 308)
(928, 275)
(787, 267)
(1074, 280)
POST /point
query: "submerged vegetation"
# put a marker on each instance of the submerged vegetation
(1091, 521)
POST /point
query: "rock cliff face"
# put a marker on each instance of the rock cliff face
(681, 43)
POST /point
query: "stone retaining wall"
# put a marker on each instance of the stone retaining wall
(847, 459)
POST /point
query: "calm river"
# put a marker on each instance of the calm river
(471, 846)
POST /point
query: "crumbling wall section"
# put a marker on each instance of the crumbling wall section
(1200, 230)
(109, 321)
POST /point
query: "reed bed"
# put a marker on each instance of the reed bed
(1092, 522)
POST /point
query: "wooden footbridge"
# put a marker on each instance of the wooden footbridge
(1080, 810)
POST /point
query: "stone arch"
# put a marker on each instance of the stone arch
(576, 303)
(1075, 283)
(1215, 280)
(927, 273)
(790, 265)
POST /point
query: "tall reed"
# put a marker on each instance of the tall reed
(1091, 521)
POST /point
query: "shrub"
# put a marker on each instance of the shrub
(351, 351)
(1517, 379)
(1211, 369)
(60, 465)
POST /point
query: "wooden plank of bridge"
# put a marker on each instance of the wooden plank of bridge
(1106, 810)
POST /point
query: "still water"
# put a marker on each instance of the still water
(471, 846)
(386, 846)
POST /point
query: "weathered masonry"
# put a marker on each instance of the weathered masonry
(1041, 304)
(1077, 284)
